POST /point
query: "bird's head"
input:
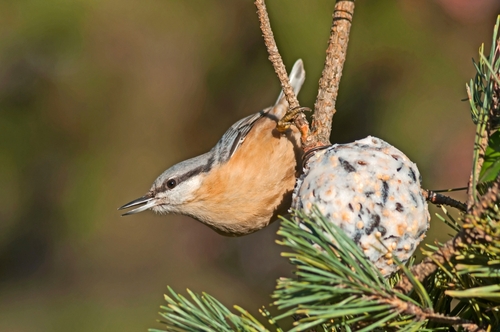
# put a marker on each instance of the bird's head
(175, 188)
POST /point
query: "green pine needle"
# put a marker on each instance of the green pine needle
(336, 284)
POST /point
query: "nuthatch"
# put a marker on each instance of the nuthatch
(243, 182)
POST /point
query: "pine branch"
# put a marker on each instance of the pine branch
(485, 113)
(338, 286)
(205, 313)
(483, 93)
(471, 258)
(468, 234)
(422, 314)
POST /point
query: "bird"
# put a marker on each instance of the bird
(243, 183)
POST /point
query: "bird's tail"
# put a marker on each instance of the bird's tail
(297, 77)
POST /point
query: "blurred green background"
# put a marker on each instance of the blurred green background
(97, 98)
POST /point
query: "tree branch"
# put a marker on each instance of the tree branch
(328, 84)
(274, 54)
(421, 314)
(482, 145)
(430, 264)
(275, 58)
(324, 108)
(439, 199)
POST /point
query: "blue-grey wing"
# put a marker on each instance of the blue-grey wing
(235, 135)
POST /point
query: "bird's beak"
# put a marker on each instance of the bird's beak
(148, 201)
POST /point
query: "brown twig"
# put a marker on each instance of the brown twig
(483, 144)
(430, 264)
(324, 108)
(330, 78)
(274, 54)
(423, 314)
(486, 201)
(439, 199)
(275, 58)
(420, 314)
(472, 328)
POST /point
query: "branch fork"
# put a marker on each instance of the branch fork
(318, 134)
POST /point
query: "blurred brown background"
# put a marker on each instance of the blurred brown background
(97, 98)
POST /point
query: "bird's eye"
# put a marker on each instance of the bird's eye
(171, 183)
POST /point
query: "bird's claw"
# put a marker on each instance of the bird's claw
(287, 120)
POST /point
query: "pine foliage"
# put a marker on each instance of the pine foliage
(335, 288)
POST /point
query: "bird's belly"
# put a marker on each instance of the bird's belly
(249, 191)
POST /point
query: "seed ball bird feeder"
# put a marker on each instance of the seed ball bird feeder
(371, 190)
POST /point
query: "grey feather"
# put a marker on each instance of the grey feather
(235, 136)
(297, 77)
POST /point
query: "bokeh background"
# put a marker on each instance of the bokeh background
(97, 98)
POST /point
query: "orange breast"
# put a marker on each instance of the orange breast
(254, 186)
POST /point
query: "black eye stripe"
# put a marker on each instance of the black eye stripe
(174, 182)
(196, 171)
